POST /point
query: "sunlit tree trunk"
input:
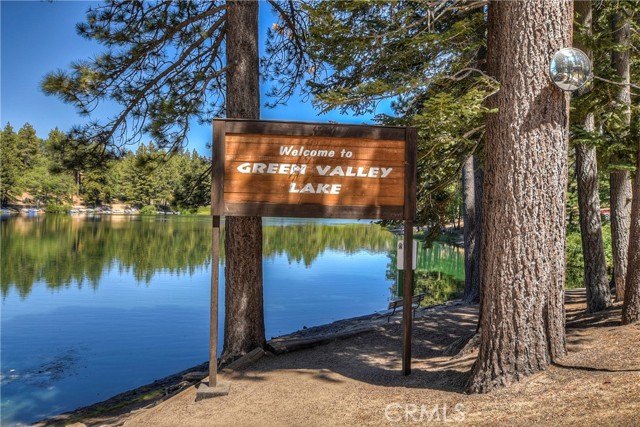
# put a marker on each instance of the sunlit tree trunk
(525, 179)
(244, 309)
(595, 264)
(472, 207)
(619, 181)
(631, 307)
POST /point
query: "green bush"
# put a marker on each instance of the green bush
(56, 208)
(438, 287)
(148, 210)
(187, 210)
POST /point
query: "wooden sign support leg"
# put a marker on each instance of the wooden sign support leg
(407, 311)
(214, 387)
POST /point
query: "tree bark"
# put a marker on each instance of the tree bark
(620, 183)
(525, 180)
(244, 308)
(479, 182)
(631, 307)
(472, 202)
(620, 194)
(595, 263)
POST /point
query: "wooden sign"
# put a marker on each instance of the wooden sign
(315, 170)
(268, 168)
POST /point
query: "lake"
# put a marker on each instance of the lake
(96, 305)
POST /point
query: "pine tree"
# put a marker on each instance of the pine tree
(427, 57)
(620, 179)
(631, 306)
(586, 169)
(194, 188)
(10, 165)
(522, 319)
(28, 146)
(607, 100)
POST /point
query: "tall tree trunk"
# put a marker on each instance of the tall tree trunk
(244, 309)
(479, 179)
(631, 307)
(472, 202)
(620, 194)
(619, 180)
(595, 264)
(525, 180)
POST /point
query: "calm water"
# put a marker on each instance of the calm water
(92, 307)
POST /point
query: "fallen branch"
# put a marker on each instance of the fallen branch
(286, 345)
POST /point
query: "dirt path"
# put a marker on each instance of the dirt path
(357, 382)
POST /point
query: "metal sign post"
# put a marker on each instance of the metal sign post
(214, 388)
(407, 315)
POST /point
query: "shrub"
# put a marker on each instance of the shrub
(575, 260)
(56, 208)
(148, 210)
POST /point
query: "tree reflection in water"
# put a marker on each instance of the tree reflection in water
(64, 251)
(439, 272)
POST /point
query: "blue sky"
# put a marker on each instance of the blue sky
(39, 36)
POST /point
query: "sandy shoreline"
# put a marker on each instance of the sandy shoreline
(112, 411)
(357, 381)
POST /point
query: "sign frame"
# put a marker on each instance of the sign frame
(222, 127)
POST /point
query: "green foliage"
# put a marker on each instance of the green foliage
(45, 187)
(615, 140)
(96, 185)
(148, 210)
(575, 258)
(56, 208)
(164, 64)
(199, 211)
(438, 288)
(193, 189)
(26, 167)
(379, 50)
(10, 166)
(51, 171)
(450, 124)
(427, 57)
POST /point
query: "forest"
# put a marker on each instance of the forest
(52, 171)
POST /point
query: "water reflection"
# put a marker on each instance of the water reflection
(305, 242)
(63, 250)
(439, 272)
(100, 333)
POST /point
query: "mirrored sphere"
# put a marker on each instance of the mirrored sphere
(570, 69)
